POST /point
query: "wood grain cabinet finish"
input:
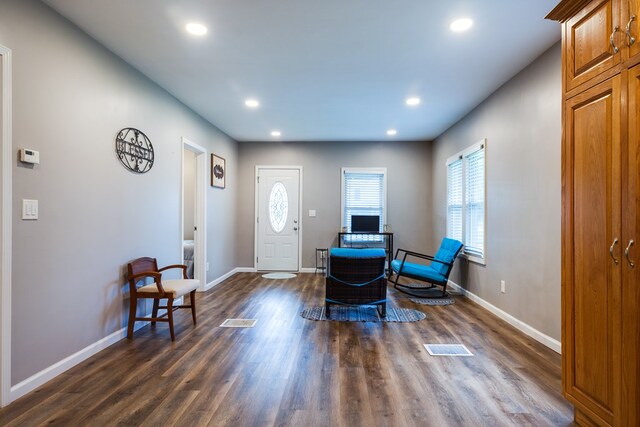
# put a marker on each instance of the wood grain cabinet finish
(631, 275)
(593, 38)
(591, 276)
(601, 210)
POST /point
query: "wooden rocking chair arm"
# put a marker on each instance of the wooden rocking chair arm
(182, 266)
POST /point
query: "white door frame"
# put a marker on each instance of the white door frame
(7, 172)
(200, 256)
(255, 218)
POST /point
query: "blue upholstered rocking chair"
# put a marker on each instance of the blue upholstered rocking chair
(436, 273)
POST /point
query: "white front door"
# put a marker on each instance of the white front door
(277, 221)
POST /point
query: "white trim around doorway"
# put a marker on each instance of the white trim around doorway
(6, 250)
(200, 258)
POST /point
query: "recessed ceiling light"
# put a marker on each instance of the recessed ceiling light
(276, 133)
(252, 103)
(413, 101)
(196, 29)
(392, 132)
(462, 24)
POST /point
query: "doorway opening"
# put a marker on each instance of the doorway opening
(193, 219)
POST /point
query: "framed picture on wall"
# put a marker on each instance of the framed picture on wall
(218, 171)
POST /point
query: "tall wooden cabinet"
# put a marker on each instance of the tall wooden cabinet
(600, 209)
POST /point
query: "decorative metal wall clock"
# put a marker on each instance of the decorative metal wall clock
(134, 150)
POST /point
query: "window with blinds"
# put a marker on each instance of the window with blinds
(466, 200)
(454, 200)
(363, 193)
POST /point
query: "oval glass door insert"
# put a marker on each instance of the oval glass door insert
(278, 207)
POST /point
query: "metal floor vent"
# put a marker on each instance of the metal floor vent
(447, 350)
(239, 323)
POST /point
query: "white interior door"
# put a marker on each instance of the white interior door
(278, 219)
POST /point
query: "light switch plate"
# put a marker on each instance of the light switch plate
(312, 213)
(29, 209)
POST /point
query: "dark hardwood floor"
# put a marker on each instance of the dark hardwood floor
(291, 371)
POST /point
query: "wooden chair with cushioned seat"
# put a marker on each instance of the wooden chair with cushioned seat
(170, 290)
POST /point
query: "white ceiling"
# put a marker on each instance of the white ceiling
(323, 69)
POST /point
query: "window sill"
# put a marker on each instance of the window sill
(474, 259)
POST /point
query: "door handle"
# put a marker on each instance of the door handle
(615, 242)
(612, 41)
(295, 228)
(632, 39)
(626, 254)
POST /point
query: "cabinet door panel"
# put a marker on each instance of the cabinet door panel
(589, 51)
(631, 276)
(592, 222)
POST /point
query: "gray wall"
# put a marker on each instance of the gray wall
(408, 182)
(71, 96)
(522, 124)
(189, 188)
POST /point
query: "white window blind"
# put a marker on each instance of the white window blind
(466, 200)
(363, 193)
(454, 200)
(474, 216)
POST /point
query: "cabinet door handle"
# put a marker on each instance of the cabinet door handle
(612, 41)
(626, 254)
(632, 39)
(613, 245)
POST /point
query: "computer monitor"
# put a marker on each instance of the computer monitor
(365, 223)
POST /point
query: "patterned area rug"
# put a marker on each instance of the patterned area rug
(363, 314)
(428, 295)
(432, 301)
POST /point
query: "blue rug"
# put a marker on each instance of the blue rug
(363, 314)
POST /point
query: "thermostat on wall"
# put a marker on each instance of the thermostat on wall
(29, 156)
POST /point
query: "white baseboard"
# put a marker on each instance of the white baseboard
(307, 270)
(529, 330)
(245, 270)
(220, 279)
(69, 362)
(47, 374)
